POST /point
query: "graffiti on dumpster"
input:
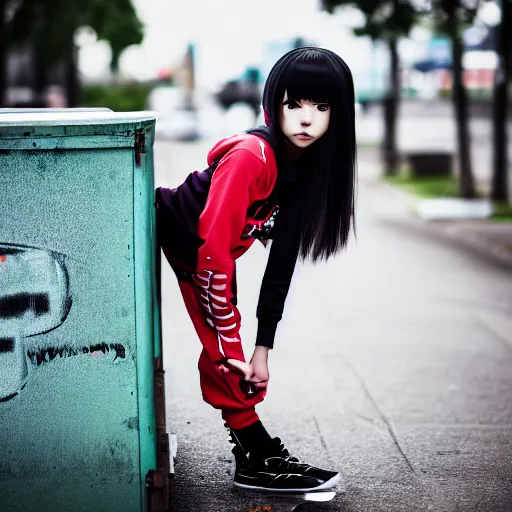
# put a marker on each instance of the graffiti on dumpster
(35, 298)
(45, 355)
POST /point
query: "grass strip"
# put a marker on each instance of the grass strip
(429, 187)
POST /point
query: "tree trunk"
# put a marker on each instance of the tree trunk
(3, 54)
(466, 181)
(499, 191)
(73, 92)
(40, 76)
(389, 149)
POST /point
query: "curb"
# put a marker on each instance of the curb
(456, 230)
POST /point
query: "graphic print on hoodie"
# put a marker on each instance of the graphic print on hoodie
(213, 218)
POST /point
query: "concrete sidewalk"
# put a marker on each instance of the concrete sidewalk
(489, 239)
(392, 364)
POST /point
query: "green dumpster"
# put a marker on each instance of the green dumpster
(82, 414)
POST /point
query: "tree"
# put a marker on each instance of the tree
(7, 10)
(3, 51)
(49, 27)
(502, 78)
(386, 21)
(116, 22)
(451, 17)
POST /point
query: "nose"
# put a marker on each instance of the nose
(306, 116)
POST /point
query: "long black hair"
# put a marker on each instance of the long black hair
(324, 207)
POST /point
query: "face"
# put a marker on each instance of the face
(304, 122)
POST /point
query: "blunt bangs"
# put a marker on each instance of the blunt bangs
(310, 79)
(313, 74)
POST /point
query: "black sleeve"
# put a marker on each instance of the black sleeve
(276, 283)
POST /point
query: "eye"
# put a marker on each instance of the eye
(323, 107)
(291, 104)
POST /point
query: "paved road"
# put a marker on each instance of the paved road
(393, 364)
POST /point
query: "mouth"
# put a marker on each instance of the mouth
(303, 136)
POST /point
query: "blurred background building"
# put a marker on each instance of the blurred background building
(231, 38)
(202, 65)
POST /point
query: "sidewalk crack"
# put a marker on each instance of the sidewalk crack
(384, 419)
(322, 441)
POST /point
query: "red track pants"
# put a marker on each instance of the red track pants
(221, 390)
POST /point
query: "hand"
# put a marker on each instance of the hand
(259, 363)
(240, 366)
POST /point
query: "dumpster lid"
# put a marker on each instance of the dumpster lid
(68, 117)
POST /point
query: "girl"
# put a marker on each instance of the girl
(291, 181)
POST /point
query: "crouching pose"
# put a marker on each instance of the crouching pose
(291, 181)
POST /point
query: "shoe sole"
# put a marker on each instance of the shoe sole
(333, 482)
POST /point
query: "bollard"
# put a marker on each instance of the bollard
(82, 425)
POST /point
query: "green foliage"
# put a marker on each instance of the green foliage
(443, 13)
(49, 25)
(119, 97)
(502, 212)
(427, 187)
(384, 20)
(446, 186)
(116, 22)
(395, 18)
(46, 25)
(445, 93)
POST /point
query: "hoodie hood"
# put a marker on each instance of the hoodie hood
(245, 140)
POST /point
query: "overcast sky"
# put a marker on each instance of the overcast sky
(229, 35)
(231, 32)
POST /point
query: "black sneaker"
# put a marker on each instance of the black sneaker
(274, 470)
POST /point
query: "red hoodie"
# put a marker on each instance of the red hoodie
(209, 238)
(246, 174)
